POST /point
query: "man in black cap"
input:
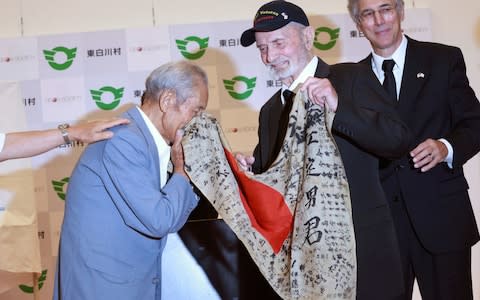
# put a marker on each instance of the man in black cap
(365, 127)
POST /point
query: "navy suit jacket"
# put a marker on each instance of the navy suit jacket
(365, 127)
(436, 101)
(117, 218)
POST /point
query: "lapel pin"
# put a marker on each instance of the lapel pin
(420, 75)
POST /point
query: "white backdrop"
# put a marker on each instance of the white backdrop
(110, 66)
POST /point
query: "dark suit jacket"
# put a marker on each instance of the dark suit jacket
(365, 127)
(439, 104)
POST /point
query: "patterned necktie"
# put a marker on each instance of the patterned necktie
(389, 82)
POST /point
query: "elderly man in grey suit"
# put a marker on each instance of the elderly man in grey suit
(120, 207)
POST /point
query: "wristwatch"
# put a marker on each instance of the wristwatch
(63, 129)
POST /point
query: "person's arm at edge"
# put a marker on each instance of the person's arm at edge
(31, 143)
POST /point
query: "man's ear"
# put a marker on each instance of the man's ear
(308, 35)
(359, 26)
(401, 13)
(167, 99)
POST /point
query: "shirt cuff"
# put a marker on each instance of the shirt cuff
(449, 158)
(2, 140)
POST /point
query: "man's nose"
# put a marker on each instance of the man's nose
(378, 17)
(272, 54)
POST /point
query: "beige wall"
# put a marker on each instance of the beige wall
(457, 24)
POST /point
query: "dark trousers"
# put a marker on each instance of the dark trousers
(445, 276)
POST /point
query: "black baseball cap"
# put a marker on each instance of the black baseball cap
(272, 16)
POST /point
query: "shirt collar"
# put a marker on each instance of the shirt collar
(398, 56)
(308, 71)
(162, 147)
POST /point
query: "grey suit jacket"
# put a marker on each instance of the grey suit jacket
(117, 218)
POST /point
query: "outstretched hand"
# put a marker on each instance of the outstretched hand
(93, 131)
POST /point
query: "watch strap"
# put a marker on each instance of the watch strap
(63, 129)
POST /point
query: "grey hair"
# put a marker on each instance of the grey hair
(182, 77)
(299, 28)
(355, 14)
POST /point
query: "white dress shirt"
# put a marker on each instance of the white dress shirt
(308, 71)
(162, 147)
(2, 140)
(399, 57)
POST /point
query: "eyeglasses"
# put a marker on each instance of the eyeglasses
(368, 15)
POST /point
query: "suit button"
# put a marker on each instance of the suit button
(399, 167)
(155, 280)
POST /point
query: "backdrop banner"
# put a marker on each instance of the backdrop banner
(75, 77)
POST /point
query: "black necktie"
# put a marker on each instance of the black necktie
(389, 82)
(288, 97)
(288, 100)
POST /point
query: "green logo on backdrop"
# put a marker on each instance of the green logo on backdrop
(333, 35)
(59, 187)
(117, 96)
(246, 85)
(52, 57)
(196, 53)
(29, 289)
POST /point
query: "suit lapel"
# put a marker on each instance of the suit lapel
(135, 115)
(323, 69)
(269, 137)
(415, 75)
(367, 61)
